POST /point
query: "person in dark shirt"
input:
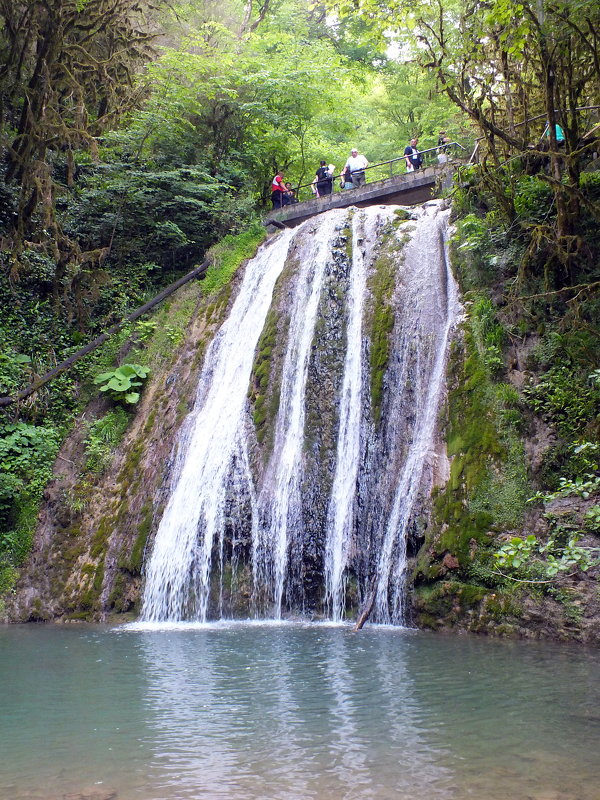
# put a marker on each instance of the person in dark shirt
(414, 159)
(290, 195)
(346, 178)
(324, 180)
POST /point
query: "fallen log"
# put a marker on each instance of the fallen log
(198, 272)
(366, 612)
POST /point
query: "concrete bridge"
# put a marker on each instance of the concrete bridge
(408, 189)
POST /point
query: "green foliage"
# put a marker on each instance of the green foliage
(158, 337)
(415, 106)
(533, 199)
(120, 382)
(228, 254)
(173, 212)
(516, 552)
(488, 333)
(27, 454)
(554, 558)
(583, 465)
(102, 438)
(591, 520)
(13, 369)
(483, 249)
(144, 329)
(565, 397)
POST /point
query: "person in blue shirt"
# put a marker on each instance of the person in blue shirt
(560, 134)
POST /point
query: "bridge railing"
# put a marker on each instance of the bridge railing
(386, 169)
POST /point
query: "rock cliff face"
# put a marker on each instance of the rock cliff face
(498, 451)
(92, 537)
(348, 341)
(356, 417)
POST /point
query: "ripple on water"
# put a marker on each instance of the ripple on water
(255, 711)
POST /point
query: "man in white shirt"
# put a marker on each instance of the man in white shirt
(356, 164)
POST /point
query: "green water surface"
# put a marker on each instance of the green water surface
(287, 712)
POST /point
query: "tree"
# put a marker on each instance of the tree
(511, 66)
(68, 74)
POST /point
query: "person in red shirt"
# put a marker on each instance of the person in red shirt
(278, 188)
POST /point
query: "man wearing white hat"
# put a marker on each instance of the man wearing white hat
(357, 164)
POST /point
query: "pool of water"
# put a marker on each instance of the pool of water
(288, 712)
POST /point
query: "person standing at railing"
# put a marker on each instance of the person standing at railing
(346, 178)
(442, 155)
(357, 164)
(324, 179)
(278, 190)
(414, 159)
(289, 198)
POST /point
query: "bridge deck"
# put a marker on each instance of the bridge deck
(407, 189)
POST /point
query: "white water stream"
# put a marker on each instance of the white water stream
(341, 516)
(178, 573)
(216, 447)
(280, 506)
(429, 299)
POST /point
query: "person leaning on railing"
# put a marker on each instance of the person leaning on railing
(357, 164)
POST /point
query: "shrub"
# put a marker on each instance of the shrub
(533, 199)
(120, 382)
(103, 436)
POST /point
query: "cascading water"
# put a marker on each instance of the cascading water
(280, 503)
(341, 513)
(178, 573)
(420, 342)
(328, 499)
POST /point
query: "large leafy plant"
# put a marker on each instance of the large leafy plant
(122, 382)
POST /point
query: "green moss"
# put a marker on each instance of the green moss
(129, 470)
(87, 603)
(381, 321)
(88, 569)
(263, 395)
(228, 254)
(487, 488)
(182, 410)
(503, 604)
(116, 597)
(101, 537)
(134, 562)
(8, 578)
(98, 578)
(447, 601)
(149, 424)
(347, 234)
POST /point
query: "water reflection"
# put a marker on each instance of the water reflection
(286, 712)
(251, 712)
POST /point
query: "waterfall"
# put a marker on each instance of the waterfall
(328, 501)
(421, 341)
(341, 513)
(178, 573)
(280, 498)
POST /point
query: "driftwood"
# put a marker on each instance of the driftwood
(198, 272)
(366, 612)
